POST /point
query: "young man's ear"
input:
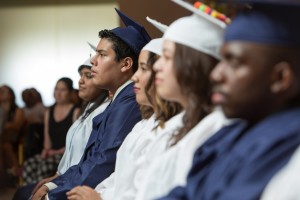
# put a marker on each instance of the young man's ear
(127, 64)
(283, 76)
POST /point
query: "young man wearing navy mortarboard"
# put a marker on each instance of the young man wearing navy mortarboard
(113, 65)
(258, 81)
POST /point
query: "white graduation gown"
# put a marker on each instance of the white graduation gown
(170, 169)
(77, 138)
(140, 147)
(285, 184)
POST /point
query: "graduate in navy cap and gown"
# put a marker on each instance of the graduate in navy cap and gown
(113, 65)
(257, 80)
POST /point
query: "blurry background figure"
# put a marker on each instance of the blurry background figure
(58, 119)
(95, 102)
(34, 111)
(13, 121)
(1, 118)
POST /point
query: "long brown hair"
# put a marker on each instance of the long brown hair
(164, 110)
(192, 69)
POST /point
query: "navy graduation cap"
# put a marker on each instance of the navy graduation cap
(273, 22)
(134, 35)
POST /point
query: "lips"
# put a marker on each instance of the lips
(217, 98)
(81, 88)
(93, 72)
(158, 81)
(136, 89)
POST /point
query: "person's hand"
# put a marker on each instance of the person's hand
(44, 154)
(51, 152)
(83, 193)
(40, 193)
(42, 182)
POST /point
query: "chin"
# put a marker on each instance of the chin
(229, 113)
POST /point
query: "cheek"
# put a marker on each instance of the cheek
(144, 79)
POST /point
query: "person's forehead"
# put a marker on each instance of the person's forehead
(85, 69)
(105, 45)
(244, 51)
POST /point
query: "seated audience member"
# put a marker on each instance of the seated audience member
(58, 119)
(96, 100)
(256, 80)
(34, 111)
(113, 65)
(13, 121)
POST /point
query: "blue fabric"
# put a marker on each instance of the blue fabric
(109, 131)
(276, 25)
(24, 193)
(238, 162)
(134, 35)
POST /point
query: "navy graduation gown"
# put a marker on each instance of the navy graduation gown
(237, 163)
(109, 130)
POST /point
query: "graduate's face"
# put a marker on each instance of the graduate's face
(88, 91)
(242, 81)
(141, 78)
(106, 70)
(166, 82)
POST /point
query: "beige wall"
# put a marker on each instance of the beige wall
(40, 44)
(163, 11)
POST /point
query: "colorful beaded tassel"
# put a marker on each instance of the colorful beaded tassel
(211, 12)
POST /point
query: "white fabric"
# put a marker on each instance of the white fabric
(77, 138)
(136, 153)
(50, 186)
(285, 184)
(199, 31)
(154, 46)
(120, 89)
(158, 25)
(170, 169)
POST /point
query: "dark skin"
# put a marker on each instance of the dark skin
(250, 86)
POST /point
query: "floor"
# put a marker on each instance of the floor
(8, 187)
(6, 193)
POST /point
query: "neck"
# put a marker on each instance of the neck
(118, 84)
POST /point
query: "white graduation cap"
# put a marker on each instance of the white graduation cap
(155, 46)
(92, 46)
(199, 31)
(87, 62)
(158, 25)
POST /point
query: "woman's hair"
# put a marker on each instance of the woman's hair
(100, 99)
(13, 105)
(163, 109)
(68, 82)
(192, 69)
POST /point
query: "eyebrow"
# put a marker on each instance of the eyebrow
(100, 50)
(144, 64)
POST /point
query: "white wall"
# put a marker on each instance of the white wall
(40, 44)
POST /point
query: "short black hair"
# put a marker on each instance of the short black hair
(121, 49)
